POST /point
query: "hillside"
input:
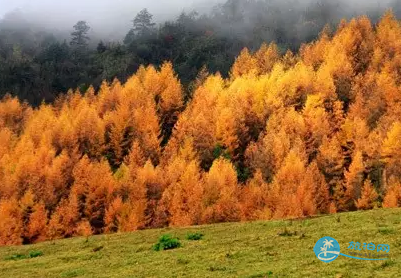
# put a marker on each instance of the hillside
(290, 136)
(284, 248)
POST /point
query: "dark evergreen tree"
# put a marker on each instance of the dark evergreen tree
(143, 23)
(79, 37)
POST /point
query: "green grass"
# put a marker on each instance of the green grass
(194, 236)
(259, 249)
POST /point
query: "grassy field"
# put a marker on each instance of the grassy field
(259, 249)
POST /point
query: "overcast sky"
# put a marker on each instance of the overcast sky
(104, 16)
(83, 7)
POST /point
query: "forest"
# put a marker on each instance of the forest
(282, 135)
(194, 122)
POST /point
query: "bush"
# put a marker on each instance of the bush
(16, 257)
(195, 236)
(166, 242)
(32, 254)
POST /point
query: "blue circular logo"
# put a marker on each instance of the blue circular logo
(327, 249)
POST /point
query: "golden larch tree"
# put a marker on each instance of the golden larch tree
(220, 195)
(244, 64)
(369, 197)
(11, 223)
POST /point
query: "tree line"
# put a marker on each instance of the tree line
(37, 66)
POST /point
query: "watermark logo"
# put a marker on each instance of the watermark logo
(327, 249)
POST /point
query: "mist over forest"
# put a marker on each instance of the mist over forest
(38, 61)
(109, 20)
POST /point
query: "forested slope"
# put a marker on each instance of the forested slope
(283, 136)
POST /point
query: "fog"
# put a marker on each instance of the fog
(107, 18)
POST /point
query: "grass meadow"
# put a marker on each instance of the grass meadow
(257, 249)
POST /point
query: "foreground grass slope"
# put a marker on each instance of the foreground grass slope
(260, 249)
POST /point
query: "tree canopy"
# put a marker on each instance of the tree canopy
(282, 136)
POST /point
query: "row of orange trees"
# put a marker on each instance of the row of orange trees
(284, 136)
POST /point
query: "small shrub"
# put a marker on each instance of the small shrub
(166, 242)
(34, 254)
(194, 236)
(16, 257)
